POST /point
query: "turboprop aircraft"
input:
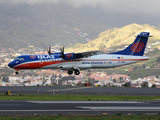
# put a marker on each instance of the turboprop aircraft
(74, 62)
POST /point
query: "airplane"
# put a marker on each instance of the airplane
(74, 62)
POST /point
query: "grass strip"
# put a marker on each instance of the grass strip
(80, 117)
(77, 97)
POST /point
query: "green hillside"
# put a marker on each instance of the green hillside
(117, 37)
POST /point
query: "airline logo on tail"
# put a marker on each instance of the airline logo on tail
(137, 47)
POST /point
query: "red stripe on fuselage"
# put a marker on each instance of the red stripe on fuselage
(36, 65)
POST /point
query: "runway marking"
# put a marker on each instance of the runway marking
(119, 108)
(124, 102)
(70, 89)
(42, 110)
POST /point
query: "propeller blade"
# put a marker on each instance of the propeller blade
(62, 53)
(63, 50)
(49, 50)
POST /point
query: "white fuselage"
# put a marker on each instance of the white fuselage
(96, 61)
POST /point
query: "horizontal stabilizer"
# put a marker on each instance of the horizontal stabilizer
(143, 36)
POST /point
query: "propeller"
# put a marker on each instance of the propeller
(49, 50)
(62, 53)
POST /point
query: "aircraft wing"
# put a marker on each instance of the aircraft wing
(86, 54)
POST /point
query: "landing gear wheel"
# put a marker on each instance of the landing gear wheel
(70, 72)
(76, 72)
(16, 72)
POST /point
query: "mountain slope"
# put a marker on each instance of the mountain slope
(57, 23)
(117, 37)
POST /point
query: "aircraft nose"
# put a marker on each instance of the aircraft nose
(11, 64)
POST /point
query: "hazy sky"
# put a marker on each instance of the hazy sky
(148, 7)
(139, 11)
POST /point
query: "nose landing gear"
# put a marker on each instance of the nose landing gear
(17, 71)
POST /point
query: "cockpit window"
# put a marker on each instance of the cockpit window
(19, 58)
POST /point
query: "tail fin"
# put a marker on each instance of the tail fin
(137, 47)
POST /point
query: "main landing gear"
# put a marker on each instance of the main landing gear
(76, 71)
(70, 72)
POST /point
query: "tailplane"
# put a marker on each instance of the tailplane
(137, 47)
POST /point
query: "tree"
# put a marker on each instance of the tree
(144, 84)
(135, 68)
(144, 66)
(120, 78)
(158, 59)
(153, 86)
(55, 76)
(60, 76)
(157, 76)
(127, 84)
(5, 79)
(114, 80)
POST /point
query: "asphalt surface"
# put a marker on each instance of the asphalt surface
(80, 90)
(78, 107)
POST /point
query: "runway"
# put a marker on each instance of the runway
(78, 107)
(68, 90)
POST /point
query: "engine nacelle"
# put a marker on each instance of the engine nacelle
(69, 56)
